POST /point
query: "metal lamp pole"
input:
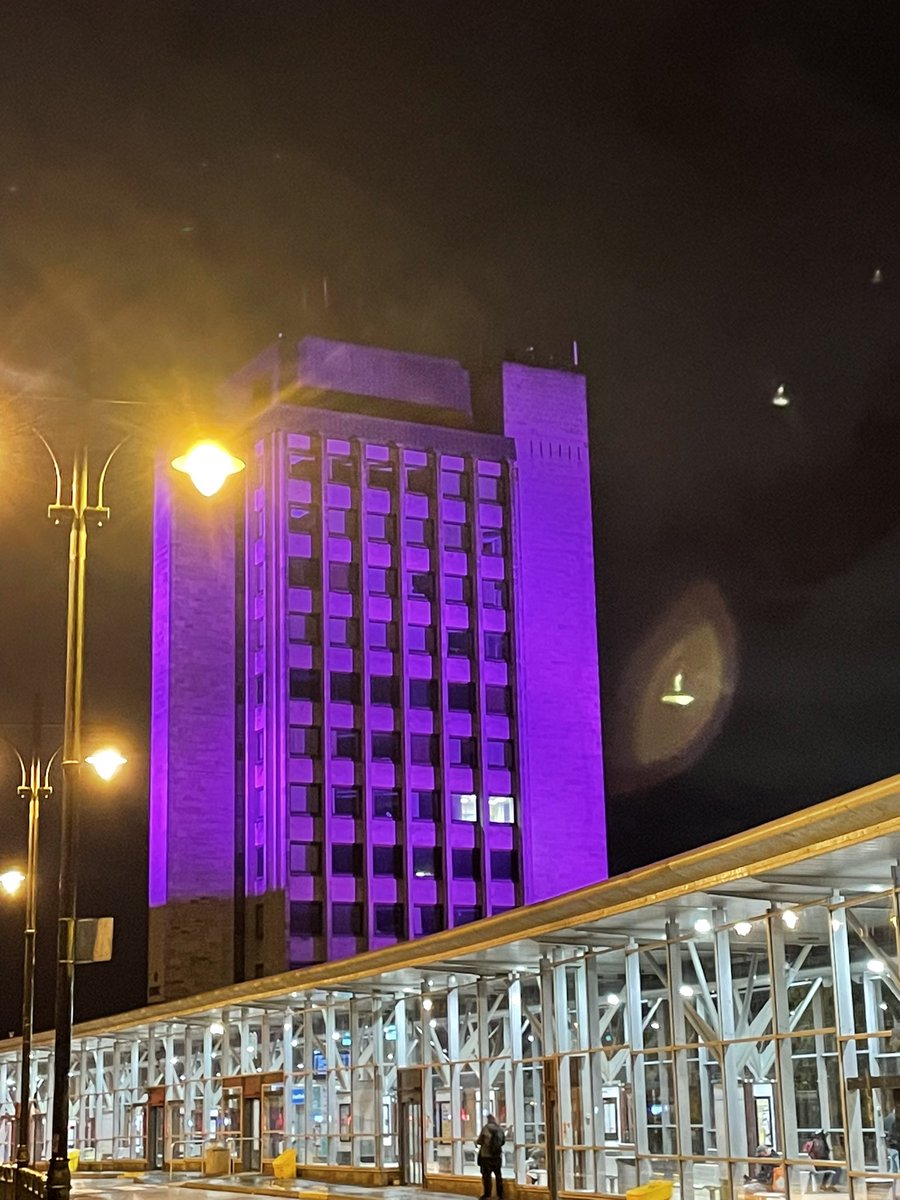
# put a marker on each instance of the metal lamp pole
(79, 512)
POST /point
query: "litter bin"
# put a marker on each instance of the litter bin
(284, 1165)
(74, 1159)
(216, 1160)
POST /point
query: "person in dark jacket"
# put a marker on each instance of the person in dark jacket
(490, 1156)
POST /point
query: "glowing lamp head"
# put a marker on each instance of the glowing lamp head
(208, 465)
(106, 762)
(11, 881)
(677, 694)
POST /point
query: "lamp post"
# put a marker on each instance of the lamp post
(34, 786)
(208, 465)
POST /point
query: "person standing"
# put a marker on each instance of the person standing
(490, 1156)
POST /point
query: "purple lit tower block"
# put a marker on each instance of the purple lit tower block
(376, 704)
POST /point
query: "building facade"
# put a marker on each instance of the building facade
(699, 1021)
(375, 683)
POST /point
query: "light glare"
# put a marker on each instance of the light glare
(790, 918)
(106, 762)
(11, 881)
(208, 465)
(742, 928)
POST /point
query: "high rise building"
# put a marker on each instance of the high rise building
(376, 704)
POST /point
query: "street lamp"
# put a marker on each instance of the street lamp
(208, 468)
(34, 785)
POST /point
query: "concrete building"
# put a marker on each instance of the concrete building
(376, 704)
(699, 1020)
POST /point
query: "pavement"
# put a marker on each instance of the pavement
(157, 1185)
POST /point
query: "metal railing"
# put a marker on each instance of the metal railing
(21, 1183)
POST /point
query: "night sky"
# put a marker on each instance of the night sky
(699, 194)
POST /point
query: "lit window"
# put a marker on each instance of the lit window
(426, 862)
(501, 810)
(464, 806)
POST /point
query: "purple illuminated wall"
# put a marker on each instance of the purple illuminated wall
(192, 741)
(563, 822)
(421, 716)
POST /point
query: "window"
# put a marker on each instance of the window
(493, 593)
(421, 585)
(382, 581)
(301, 518)
(385, 689)
(466, 863)
(304, 740)
(389, 920)
(387, 860)
(457, 589)
(502, 810)
(490, 487)
(345, 743)
(381, 474)
(341, 522)
(463, 752)
(347, 920)
(382, 635)
(461, 697)
(426, 805)
(305, 799)
(498, 699)
(496, 647)
(303, 572)
(343, 631)
(380, 527)
(419, 479)
(431, 918)
(504, 865)
(305, 858)
(499, 754)
(466, 914)
(306, 918)
(491, 541)
(340, 470)
(426, 862)
(464, 806)
(305, 683)
(260, 689)
(419, 639)
(456, 537)
(345, 801)
(386, 802)
(301, 466)
(417, 531)
(345, 686)
(343, 577)
(386, 746)
(422, 693)
(423, 748)
(346, 860)
(303, 627)
(459, 642)
(453, 483)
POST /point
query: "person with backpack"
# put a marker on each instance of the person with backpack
(818, 1150)
(490, 1156)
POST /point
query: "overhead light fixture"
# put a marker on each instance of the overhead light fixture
(742, 928)
(781, 399)
(427, 1003)
(790, 917)
(702, 925)
(612, 999)
(217, 1028)
(686, 990)
(654, 1024)
(677, 694)
(876, 966)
